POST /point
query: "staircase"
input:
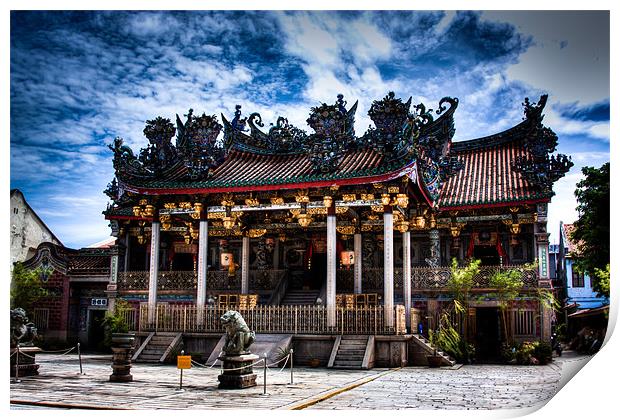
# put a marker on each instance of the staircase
(300, 297)
(426, 346)
(157, 347)
(350, 352)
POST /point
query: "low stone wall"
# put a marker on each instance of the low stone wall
(315, 350)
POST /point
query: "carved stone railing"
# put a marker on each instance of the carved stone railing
(133, 280)
(424, 278)
(188, 280)
(177, 280)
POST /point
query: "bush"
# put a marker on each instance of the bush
(114, 322)
(450, 341)
(527, 353)
(543, 352)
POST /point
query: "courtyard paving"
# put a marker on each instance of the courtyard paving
(60, 385)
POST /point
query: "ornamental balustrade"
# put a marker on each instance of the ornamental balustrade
(273, 319)
(422, 278)
(188, 280)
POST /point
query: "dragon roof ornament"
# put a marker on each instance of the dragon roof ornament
(399, 135)
(541, 168)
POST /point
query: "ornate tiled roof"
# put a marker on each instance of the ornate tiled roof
(488, 177)
(516, 165)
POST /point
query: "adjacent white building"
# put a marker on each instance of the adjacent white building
(28, 231)
(578, 285)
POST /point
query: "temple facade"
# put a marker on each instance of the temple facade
(329, 231)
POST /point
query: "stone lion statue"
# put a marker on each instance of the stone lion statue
(22, 331)
(238, 335)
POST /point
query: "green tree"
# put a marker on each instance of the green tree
(460, 284)
(507, 285)
(591, 230)
(27, 287)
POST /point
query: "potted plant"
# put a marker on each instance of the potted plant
(116, 328)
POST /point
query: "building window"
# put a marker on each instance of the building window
(523, 322)
(40, 318)
(15, 210)
(577, 279)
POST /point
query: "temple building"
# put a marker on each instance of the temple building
(329, 232)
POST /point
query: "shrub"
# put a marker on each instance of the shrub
(543, 353)
(114, 322)
(450, 341)
(527, 353)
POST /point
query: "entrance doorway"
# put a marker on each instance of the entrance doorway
(96, 331)
(487, 334)
(318, 272)
(486, 254)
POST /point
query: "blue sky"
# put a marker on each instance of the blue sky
(78, 79)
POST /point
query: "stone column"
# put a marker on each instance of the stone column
(407, 277)
(388, 267)
(127, 247)
(203, 265)
(435, 258)
(330, 295)
(357, 263)
(245, 265)
(153, 270)
(112, 287)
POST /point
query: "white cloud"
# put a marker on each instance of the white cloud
(570, 58)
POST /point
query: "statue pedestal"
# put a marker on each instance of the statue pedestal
(242, 376)
(25, 361)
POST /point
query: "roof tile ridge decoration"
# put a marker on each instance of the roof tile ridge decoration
(541, 168)
(333, 151)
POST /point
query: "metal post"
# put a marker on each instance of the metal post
(291, 356)
(181, 378)
(80, 358)
(17, 364)
(265, 374)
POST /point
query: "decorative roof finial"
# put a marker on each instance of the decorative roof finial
(238, 123)
(341, 103)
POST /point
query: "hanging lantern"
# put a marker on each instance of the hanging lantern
(402, 226)
(304, 220)
(197, 211)
(226, 259)
(347, 258)
(228, 222)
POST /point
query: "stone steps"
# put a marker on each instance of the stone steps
(155, 349)
(300, 297)
(350, 353)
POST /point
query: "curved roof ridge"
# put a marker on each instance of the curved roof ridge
(490, 141)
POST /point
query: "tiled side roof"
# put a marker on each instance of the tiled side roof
(488, 177)
(89, 265)
(568, 231)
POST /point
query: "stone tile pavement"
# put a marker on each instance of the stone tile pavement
(60, 385)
